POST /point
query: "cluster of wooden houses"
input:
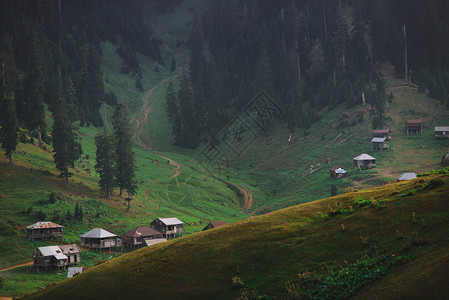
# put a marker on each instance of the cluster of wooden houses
(63, 256)
(380, 141)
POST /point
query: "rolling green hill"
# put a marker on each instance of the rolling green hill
(392, 238)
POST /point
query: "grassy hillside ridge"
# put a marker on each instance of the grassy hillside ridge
(267, 251)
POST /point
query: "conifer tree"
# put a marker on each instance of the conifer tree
(106, 162)
(35, 90)
(263, 79)
(9, 125)
(126, 158)
(67, 149)
(172, 105)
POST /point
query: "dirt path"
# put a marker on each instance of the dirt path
(142, 119)
(30, 263)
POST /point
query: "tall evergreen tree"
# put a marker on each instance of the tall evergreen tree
(263, 79)
(106, 162)
(9, 125)
(67, 149)
(172, 105)
(126, 158)
(35, 90)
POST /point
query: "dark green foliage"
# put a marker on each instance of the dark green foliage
(333, 190)
(52, 198)
(106, 162)
(139, 86)
(172, 102)
(172, 65)
(67, 148)
(34, 89)
(125, 156)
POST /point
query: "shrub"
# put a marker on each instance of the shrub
(40, 215)
(52, 198)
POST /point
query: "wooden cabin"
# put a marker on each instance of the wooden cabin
(169, 227)
(413, 126)
(137, 236)
(382, 133)
(45, 231)
(49, 257)
(364, 161)
(442, 132)
(99, 238)
(379, 144)
(214, 225)
(72, 252)
(337, 172)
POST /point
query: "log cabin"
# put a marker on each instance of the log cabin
(49, 257)
(169, 227)
(99, 239)
(44, 231)
(137, 236)
(214, 225)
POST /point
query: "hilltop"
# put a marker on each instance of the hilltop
(389, 241)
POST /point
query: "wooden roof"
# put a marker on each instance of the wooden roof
(42, 225)
(142, 231)
(414, 121)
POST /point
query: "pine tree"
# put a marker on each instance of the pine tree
(67, 149)
(172, 65)
(172, 105)
(106, 162)
(340, 37)
(35, 90)
(9, 126)
(126, 158)
(263, 79)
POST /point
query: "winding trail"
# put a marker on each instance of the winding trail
(30, 263)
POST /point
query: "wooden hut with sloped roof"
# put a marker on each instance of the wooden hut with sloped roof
(214, 225)
(99, 238)
(169, 227)
(72, 252)
(364, 161)
(137, 236)
(442, 132)
(413, 126)
(44, 231)
(49, 257)
(382, 133)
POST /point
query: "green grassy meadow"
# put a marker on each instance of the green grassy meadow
(386, 229)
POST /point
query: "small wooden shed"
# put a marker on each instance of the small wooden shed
(137, 236)
(45, 230)
(337, 172)
(72, 252)
(99, 238)
(214, 225)
(364, 161)
(382, 133)
(413, 126)
(169, 227)
(379, 144)
(442, 132)
(49, 257)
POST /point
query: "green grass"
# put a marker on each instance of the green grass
(267, 251)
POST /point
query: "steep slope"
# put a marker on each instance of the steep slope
(391, 229)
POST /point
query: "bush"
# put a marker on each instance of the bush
(52, 198)
(40, 215)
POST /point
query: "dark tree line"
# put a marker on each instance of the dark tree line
(46, 34)
(307, 55)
